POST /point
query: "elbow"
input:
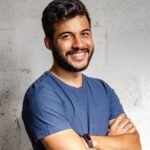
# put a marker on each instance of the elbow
(137, 142)
(139, 146)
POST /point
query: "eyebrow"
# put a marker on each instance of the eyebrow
(86, 30)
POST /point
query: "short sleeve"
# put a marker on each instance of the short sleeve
(43, 113)
(115, 105)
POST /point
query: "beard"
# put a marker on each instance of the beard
(63, 63)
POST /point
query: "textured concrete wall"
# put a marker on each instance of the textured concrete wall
(121, 30)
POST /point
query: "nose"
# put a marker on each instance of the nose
(78, 43)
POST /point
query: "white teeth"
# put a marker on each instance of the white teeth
(78, 54)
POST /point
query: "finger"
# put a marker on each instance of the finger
(132, 130)
(111, 122)
(124, 123)
(118, 120)
(126, 127)
(130, 127)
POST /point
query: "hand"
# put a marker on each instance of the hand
(121, 125)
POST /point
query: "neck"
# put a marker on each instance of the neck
(73, 79)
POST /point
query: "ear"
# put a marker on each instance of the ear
(47, 43)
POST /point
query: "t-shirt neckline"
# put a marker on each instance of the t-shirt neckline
(67, 85)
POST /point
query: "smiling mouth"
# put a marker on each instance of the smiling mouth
(78, 51)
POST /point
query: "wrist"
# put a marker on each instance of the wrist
(88, 140)
(96, 141)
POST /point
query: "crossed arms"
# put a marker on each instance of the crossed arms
(122, 135)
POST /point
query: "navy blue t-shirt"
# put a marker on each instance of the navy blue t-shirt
(51, 106)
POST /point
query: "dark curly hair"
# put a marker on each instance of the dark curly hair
(59, 10)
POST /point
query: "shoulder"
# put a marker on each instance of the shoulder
(40, 92)
(44, 82)
(98, 83)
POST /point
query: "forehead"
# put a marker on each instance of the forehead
(75, 24)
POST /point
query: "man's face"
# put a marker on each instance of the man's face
(72, 45)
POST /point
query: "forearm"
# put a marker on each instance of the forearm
(65, 140)
(119, 142)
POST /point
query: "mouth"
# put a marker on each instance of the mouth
(77, 52)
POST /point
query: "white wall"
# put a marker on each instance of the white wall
(121, 30)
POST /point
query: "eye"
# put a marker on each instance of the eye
(86, 33)
(66, 36)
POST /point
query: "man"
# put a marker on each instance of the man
(64, 109)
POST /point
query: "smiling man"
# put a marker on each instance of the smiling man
(65, 109)
(72, 45)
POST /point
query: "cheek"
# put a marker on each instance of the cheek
(89, 43)
(64, 46)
